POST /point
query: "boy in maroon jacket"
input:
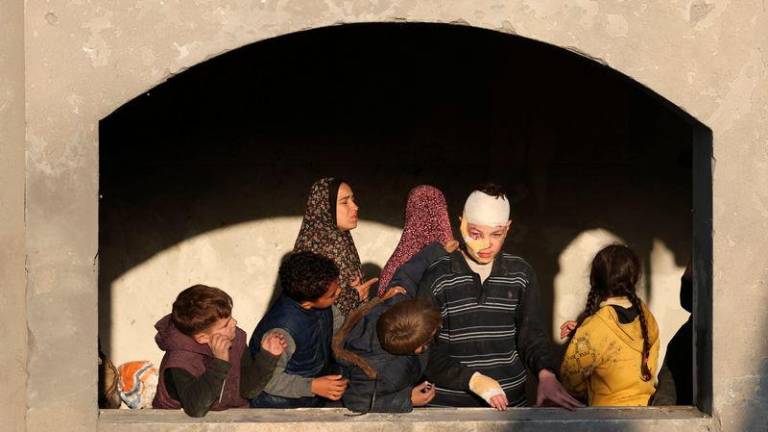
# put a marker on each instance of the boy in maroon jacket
(206, 365)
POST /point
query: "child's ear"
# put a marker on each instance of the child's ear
(306, 304)
(201, 338)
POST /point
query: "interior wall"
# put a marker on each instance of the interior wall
(13, 354)
(83, 60)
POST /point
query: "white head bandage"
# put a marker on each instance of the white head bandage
(483, 209)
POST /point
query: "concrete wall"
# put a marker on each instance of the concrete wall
(85, 59)
(13, 354)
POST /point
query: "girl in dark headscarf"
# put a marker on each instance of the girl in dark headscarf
(426, 236)
(331, 213)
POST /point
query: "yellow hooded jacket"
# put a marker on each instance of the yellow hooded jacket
(604, 356)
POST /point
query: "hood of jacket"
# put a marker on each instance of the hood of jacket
(169, 338)
(631, 333)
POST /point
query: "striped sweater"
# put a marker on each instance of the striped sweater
(491, 327)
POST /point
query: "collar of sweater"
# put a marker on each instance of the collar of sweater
(618, 301)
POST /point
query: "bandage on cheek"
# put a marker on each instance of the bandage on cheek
(475, 245)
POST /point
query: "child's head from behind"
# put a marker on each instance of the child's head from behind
(310, 279)
(201, 311)
(615, 272)
(408, 327)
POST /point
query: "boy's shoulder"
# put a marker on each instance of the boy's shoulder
(513, 259)
(443, 267)
(441, 264)
(513, 263)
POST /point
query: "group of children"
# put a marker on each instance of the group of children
(451, 324)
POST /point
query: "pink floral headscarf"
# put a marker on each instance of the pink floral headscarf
(426, 221)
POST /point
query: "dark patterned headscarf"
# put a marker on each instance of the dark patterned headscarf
(426, 221)
(320, 234)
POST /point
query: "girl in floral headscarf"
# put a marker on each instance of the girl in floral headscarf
(426, 236)
(331, 213)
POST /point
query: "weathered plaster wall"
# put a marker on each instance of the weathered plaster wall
(13, 354)
(84, 59)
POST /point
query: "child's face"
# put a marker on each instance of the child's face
(492, 237)
(223, 326)
(346, 208)
(327, 299)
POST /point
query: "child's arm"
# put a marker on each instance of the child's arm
(446, 372)
(256, 371)
(581, 358)
(412, 271)
(533, 344)
(294, 386)
(284, 384)
(197, 395)
(441, 368)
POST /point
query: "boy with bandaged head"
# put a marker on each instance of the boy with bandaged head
(489, 301)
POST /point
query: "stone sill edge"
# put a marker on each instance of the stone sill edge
(433, 415)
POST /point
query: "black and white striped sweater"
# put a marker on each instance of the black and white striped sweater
(491, 327)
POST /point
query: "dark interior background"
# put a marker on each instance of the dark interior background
(390, 106)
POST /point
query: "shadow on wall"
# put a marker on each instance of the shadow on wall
(241, 137)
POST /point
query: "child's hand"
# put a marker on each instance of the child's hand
(274, 344)
(363, 288)
(567, 328)
(551, 392)
(220, 345)
(422, 394)
(393, 292)
(329, 386)
(499, 402)
(489, 390)
(450, 246)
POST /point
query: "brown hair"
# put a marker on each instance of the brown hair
(198, 307)
(615, 272)
(402, 329)
(407, 325)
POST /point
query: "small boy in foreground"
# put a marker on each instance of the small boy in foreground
(206, 365)
(304, 317)
(383, 348)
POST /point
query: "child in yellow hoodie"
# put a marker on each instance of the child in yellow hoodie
(614, 348)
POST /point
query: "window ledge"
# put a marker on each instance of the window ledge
(427, 420)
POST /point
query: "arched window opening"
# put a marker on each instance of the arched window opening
(204, 178)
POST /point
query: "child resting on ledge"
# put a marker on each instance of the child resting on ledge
(206, 365)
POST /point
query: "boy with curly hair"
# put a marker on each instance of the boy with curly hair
(303, 316)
